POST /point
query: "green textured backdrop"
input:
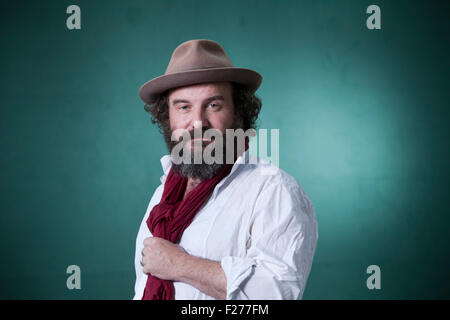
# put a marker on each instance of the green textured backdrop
(363, 118)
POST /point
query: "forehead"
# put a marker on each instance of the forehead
(201, 91)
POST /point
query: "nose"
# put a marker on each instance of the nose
(198, 124)
(199, 119)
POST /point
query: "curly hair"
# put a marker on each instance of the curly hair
(246, 108)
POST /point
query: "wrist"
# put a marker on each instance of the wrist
(184, 267)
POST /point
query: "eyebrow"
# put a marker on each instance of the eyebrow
(217, 97)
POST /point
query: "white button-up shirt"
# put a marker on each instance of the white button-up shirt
(258, 223)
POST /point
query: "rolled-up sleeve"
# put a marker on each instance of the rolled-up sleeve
(283, 235)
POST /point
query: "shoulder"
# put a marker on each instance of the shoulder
(154, 200)
(156, 197)
(273, 184)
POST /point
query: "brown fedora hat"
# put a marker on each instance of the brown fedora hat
(198, 61)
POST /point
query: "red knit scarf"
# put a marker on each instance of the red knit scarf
(172, 216)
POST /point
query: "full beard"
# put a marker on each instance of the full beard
(201, 171)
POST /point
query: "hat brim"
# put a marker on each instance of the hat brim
(151, 89)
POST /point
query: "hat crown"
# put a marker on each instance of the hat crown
(198, 54)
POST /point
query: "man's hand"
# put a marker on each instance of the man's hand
(168, 261)
(162, 258)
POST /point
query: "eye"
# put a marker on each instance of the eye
(184, 107)
(214, 105)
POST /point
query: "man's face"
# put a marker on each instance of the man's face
(210, 103)
(201, 107)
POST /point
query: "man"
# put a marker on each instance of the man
(218, 230)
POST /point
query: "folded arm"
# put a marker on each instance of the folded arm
(168, 261)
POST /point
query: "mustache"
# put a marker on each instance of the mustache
(194, 133)
(167, 133)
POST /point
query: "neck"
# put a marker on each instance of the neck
(191, 184)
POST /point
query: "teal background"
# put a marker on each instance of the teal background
(363, 118)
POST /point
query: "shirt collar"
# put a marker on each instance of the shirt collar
(244, 159)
